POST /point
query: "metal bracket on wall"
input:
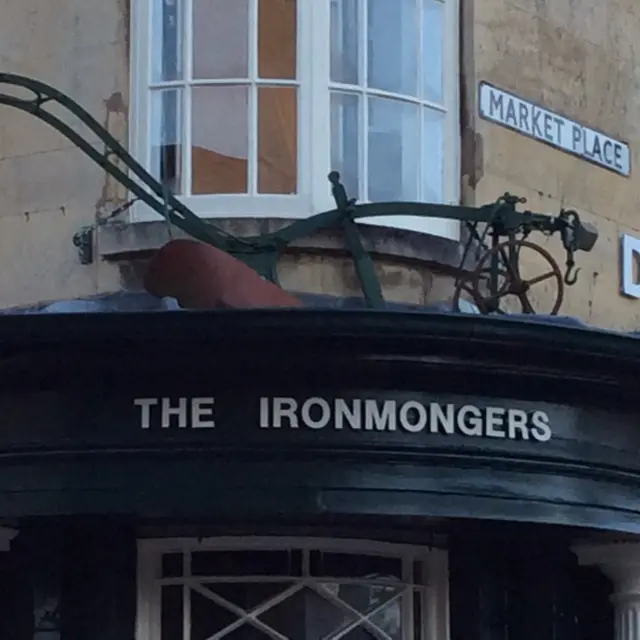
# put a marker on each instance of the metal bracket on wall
(83, 240)
(496, 277)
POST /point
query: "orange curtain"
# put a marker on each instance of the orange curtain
(215, 173)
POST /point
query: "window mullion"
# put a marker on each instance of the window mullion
(315, 129)
(252, 124)
(186, 596)
(451, 97)
(421, 110)
(406, 599)
(187, 110)
(364, 100)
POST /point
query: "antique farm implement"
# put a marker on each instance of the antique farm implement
(496, 235)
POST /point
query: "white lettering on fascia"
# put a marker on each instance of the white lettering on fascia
(356, 415)
(411, 416)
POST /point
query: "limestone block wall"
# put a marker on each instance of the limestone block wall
(47, 188)
(582, 60)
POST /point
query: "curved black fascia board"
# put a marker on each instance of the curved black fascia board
(588, 476)
(81, 347)
(404, 334)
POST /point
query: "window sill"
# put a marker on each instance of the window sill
(130, 240)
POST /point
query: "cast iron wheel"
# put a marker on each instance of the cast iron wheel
(513, 284)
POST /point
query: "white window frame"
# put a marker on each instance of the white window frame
(314, 119)
(150, 551)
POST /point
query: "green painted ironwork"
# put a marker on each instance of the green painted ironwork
(500, 219)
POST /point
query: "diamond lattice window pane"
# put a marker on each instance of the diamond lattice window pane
(257, 594)
(389, 620)
(360, 633)
(306, 615)
(247, 595)
(208, 617)
(246, 632)
(361, 597)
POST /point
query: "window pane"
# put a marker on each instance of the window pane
(389, 620)
(207, 617)
(219, 139)
(352, 565)
(246, 563)
(393, 150)
(363, 597)
(166, 138)
(433, 155)
(277, 39)
(165, 60)
(306, 616)
(360, 633)
(220, 38)
(172, 565)
(392, 39)
(277, 140)
(345, 22)
(248, 595)
(345, 138)
(417, 615)
(171, 621)
(433, 26)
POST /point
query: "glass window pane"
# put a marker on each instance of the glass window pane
(433, 156)
(277, 140)
(389, 620)
(166, 61)
(248, 595)
(277, 39)
(392, 41)
(417, 615)
(345, 22)
(246, 563)
(364, 598)
(360, 633)
(432, 28)
(207, 617)
(172, 613)
(306, 615)
(345, 140)
(220, 38)
(172, 565)
(166, 138)
(393, 156)
(247, 632)
(219, 139)
(355, 565)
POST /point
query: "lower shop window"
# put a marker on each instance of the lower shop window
(260, 589)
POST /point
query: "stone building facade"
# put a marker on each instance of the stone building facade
(577, 60)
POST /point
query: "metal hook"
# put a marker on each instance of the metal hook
(569, 279)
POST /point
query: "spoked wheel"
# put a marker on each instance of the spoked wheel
(540, 266)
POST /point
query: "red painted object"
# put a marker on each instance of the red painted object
(200, 276)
